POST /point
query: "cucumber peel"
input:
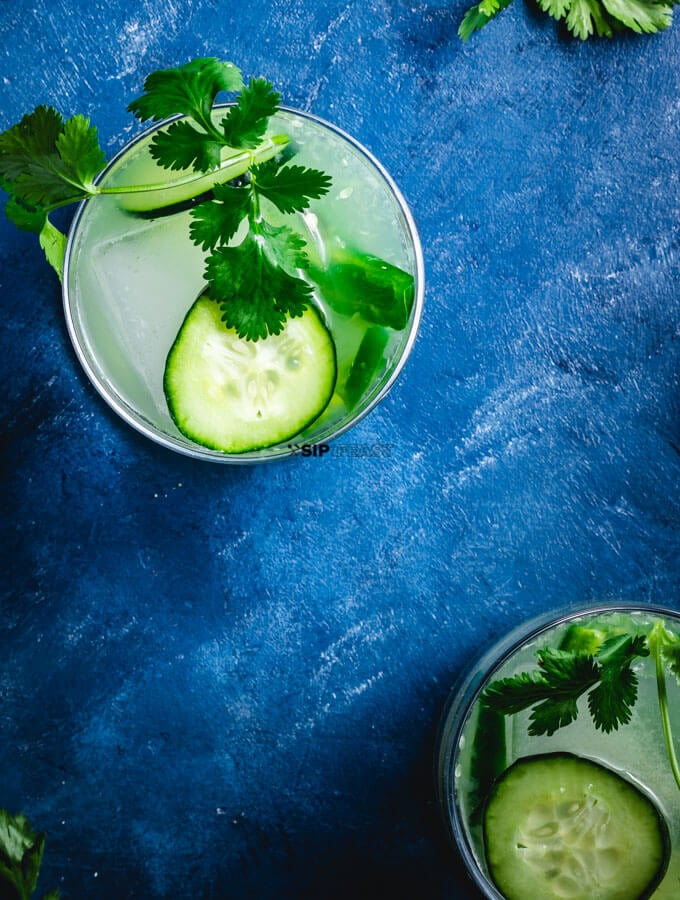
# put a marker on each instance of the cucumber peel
(561, 826)
(236, 395)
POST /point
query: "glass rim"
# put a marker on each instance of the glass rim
(466, 691)
(181, 445)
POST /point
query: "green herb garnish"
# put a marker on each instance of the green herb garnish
(47, 162)
(584, 18)
(21, 852)
(605, 675)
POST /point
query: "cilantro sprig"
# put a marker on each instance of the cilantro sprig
(583, 18)
(21, 853)
(254, 281)
(604, 673)
(254, 265)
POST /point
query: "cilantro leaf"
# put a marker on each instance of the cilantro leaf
(641, 16)
(79, 150)
(290, 188)
(47, 162)
(517, 692)
(217, 221)
(25, 217)
(552, 692)
(285, 247)
(584, 18)
(53, 243)
(21, 852)
(188, 90)
(256, 296)
(246, 122)
(555, 8)
(34, 136)
(611, 702)
(182, 146)
(477, 17)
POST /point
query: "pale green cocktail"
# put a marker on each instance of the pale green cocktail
(575, 848)
(131, 277)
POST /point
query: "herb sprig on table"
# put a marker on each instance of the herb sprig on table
(47, 162)
(599, 666)
(583, 18)
(21, 852)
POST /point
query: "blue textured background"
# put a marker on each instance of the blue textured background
(224, 682)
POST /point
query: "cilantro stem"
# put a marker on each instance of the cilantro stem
(655, 646)
(232, 166)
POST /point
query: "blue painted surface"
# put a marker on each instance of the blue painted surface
(224, 682)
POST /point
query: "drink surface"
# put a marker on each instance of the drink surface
(132, 279)
(635, 750)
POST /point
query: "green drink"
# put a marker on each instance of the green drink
(556, 767)
(241, 281)
(130, 279)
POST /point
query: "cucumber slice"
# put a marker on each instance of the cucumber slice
(234, 395)
(561, 826)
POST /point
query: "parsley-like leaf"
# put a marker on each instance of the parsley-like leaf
(612, 701)
(477, 17)
(246, 122)
(25, 217)
(217, 221)
(21, 852)
(517, 692)
(552, 692)
(285, 247)
(583, 18)
(48, 162)
(290, 188)
(182, 146)
(641, 16)
(33, 137)
(188, 90)
(586, 17)
(255, 295)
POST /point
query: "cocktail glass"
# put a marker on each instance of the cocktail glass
(635, 750)
(130, 279)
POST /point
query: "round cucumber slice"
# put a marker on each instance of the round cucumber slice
(561, 826)
(234, 395)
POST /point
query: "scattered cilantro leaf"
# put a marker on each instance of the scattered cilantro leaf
(583, 18)
(21, 852)
(477, 17)
(25, 217)
(642, 16)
